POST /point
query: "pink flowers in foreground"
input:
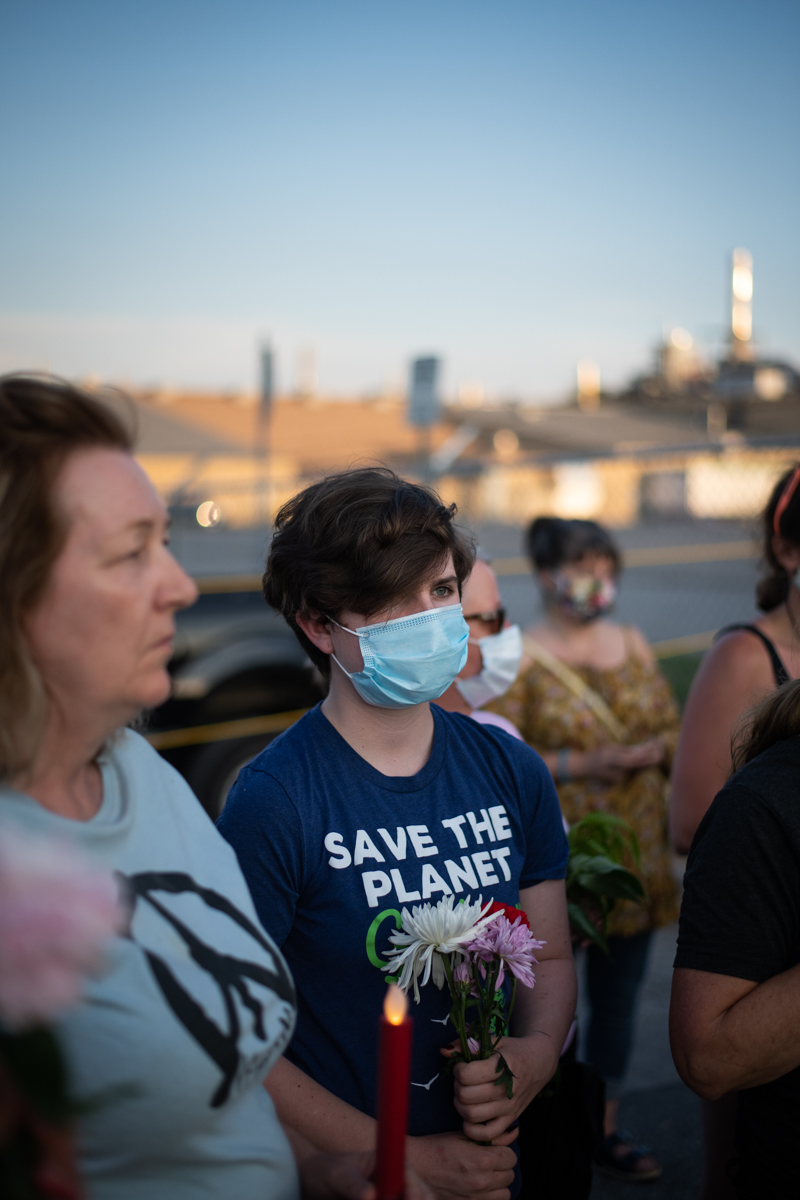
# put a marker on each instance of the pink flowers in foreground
(57, 913)
(510, 943)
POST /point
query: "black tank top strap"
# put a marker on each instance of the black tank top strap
(778, 669)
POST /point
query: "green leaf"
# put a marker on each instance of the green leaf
(617, 884)
(602, 833)
(583, 925)
(505, 1076)
(602, 877)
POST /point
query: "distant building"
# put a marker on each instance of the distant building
(743, 391)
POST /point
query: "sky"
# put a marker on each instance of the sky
(512, 184)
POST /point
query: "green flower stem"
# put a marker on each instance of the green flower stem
(511, 1001)
(491, 987)
(456, 1017)
(478, 982)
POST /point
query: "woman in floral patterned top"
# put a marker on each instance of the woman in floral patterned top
(590, 698)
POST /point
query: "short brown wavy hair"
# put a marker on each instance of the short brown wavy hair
(359, 540)
(42, 421)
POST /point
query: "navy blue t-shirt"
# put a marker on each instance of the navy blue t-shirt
(332, 851)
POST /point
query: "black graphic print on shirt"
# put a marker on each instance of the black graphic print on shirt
(232, 975)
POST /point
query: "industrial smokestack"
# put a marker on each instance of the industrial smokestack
(742, 305)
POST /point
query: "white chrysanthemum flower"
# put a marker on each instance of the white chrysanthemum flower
(428, 932)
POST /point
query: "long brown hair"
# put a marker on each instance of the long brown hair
(42, 421)
(773, 720)
(773, 588)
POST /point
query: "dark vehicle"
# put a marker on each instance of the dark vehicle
(240, 678)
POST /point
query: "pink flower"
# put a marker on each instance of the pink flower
(463, 974)
(57, 913)
(513, 944)
(473, 1045)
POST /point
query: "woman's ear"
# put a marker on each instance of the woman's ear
(787, 553)
(317, 629)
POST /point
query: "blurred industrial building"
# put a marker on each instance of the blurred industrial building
(694, 437)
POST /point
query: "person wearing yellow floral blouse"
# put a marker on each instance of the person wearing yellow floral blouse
(591, 699)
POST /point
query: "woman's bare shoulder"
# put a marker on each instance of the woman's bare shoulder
(737, 658)
(637, 644)
(736, 646)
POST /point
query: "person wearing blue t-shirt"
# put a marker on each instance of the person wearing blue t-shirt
(375, 801)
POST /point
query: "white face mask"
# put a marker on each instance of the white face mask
(501, 654)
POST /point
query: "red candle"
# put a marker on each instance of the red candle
(394, 1084)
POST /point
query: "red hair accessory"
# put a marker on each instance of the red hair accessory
(785, 499)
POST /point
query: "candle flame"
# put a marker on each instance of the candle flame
(395, 1006)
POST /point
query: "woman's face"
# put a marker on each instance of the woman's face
(583, 589)
(101, 636)
(483, 612)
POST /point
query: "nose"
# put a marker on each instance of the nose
(178, 590)
(188, 591)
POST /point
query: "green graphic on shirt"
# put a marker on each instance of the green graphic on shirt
(372, 935)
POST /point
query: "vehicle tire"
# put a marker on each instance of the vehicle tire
(212, 770)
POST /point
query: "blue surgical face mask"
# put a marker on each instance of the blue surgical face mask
(409, 660)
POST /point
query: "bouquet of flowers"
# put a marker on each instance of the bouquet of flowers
(56, 916)
(470, 946)
(599, 847)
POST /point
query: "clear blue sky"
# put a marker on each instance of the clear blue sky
(513, 184)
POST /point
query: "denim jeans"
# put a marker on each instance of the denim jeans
(613, 984)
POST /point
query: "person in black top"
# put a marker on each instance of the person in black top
(735, 1011)
(746, 663)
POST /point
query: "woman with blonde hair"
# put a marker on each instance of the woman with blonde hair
(168, 1049)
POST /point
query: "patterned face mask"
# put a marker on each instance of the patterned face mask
(584, 596)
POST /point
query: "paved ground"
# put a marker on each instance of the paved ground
(657, 1108)
(668, 1119)
(665, 602)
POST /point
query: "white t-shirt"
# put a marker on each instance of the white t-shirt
(172, 1043)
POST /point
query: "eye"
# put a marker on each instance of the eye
(137, 553)
(443, 591)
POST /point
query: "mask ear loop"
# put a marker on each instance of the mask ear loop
(344, 627)
(333, 656)
(785, 500)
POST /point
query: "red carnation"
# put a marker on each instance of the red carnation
(509, 912)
